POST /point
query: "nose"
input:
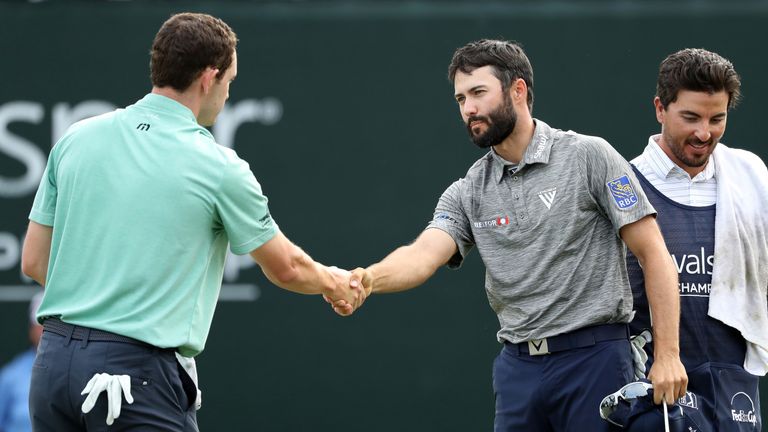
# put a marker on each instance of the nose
(469, 109)
(703, 133)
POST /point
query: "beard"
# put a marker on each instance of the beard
(692, 161)
(501, 122)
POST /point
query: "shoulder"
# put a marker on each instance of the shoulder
(596, 151)
(235, 172)
(476, 174)
(92, 124)
(585, 143)
(226, 155)
(583, 150)
(481, 168)
(574, 142)
(97, 126)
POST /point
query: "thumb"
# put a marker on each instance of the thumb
(361, 278)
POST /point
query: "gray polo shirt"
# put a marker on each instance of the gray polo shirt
(548, 232)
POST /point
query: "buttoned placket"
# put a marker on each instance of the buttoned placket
(692, 183)
(516, 199)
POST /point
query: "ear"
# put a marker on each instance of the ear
(518, 90)
(660, 110)
(208, 78)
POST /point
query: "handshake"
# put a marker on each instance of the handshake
(349, 291)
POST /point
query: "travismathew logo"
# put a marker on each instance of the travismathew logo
(499, 221)
(548, 196)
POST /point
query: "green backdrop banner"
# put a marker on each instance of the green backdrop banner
(347, 119)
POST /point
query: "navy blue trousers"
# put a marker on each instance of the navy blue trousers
(558, 392)
(64, 366)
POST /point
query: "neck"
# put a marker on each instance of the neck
(185, 98)
(514, 145)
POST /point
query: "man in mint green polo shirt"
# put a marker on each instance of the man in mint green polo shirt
(128, 233)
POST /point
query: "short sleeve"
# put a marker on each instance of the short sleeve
(242, 209)
(450, 217)
(613, 184)
(44, 207)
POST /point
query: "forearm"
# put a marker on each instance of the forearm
(37, 270)
(667, 374)
(304, 276)
(403, 269)
(289, 267)
(664, 301)
(39, 276)
(36, 252)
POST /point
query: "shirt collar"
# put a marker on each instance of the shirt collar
(664, 167)
(537, 151)
(166, 104)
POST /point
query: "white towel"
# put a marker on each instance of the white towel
(739, 295)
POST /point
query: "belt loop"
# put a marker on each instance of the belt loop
(69, 335)
(86, 337)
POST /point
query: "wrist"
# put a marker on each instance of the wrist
(670, 351)
(327, 281)
(370, 281)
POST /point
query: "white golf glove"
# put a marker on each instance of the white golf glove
(189, 365)
(115, 385)
(639, 356)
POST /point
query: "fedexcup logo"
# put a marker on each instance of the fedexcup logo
(745, 413)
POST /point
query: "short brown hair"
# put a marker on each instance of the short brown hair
(696, 69)
(188, 43)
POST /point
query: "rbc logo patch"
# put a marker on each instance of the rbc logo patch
(622, 192)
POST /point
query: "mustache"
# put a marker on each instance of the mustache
(696, 141)
(477, 118)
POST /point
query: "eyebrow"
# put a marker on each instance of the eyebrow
(691, 113)
(470, 90)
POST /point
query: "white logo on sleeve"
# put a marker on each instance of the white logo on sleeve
(548, 197)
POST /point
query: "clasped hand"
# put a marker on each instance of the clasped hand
(350, 291)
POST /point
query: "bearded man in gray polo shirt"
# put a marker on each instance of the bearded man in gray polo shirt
(548, 211)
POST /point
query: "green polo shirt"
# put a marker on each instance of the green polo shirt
(143, 205)
(548, 232)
